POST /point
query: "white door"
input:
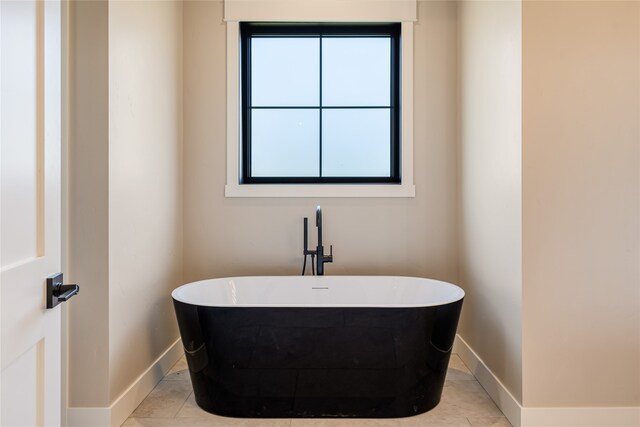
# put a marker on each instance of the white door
(30, 125)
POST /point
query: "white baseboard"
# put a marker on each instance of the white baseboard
(115, 414)
(521, 416)
(502, 397)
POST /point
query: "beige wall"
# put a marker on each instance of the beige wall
(490, 185)
(553, 296)
(581, 133)
(145, 184)
(125, 198)
(232, 236)
(88, 177)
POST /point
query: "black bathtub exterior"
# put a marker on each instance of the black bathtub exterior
(290, 362)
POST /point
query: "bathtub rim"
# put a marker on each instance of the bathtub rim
(458, 293)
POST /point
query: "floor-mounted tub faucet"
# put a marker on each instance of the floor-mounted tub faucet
(322, 258)
(319, 252)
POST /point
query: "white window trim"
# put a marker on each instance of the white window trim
(234, 147)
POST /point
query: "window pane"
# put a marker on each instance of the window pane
(285, 72)
(355, 142)
(285, 142)
(356, 71)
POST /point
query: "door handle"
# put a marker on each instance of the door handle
(57, 292)
(66, 291)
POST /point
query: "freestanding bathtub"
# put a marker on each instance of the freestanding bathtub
(318, 346)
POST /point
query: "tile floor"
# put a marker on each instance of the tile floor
(464, 403)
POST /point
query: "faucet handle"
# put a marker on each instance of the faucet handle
(329, 258)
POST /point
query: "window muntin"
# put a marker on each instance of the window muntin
(340, 80)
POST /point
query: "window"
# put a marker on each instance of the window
(320, 103)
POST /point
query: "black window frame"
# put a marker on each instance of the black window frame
(248, 30)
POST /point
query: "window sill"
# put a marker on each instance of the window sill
(328, 190)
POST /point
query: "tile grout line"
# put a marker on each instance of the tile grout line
(182, 406)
